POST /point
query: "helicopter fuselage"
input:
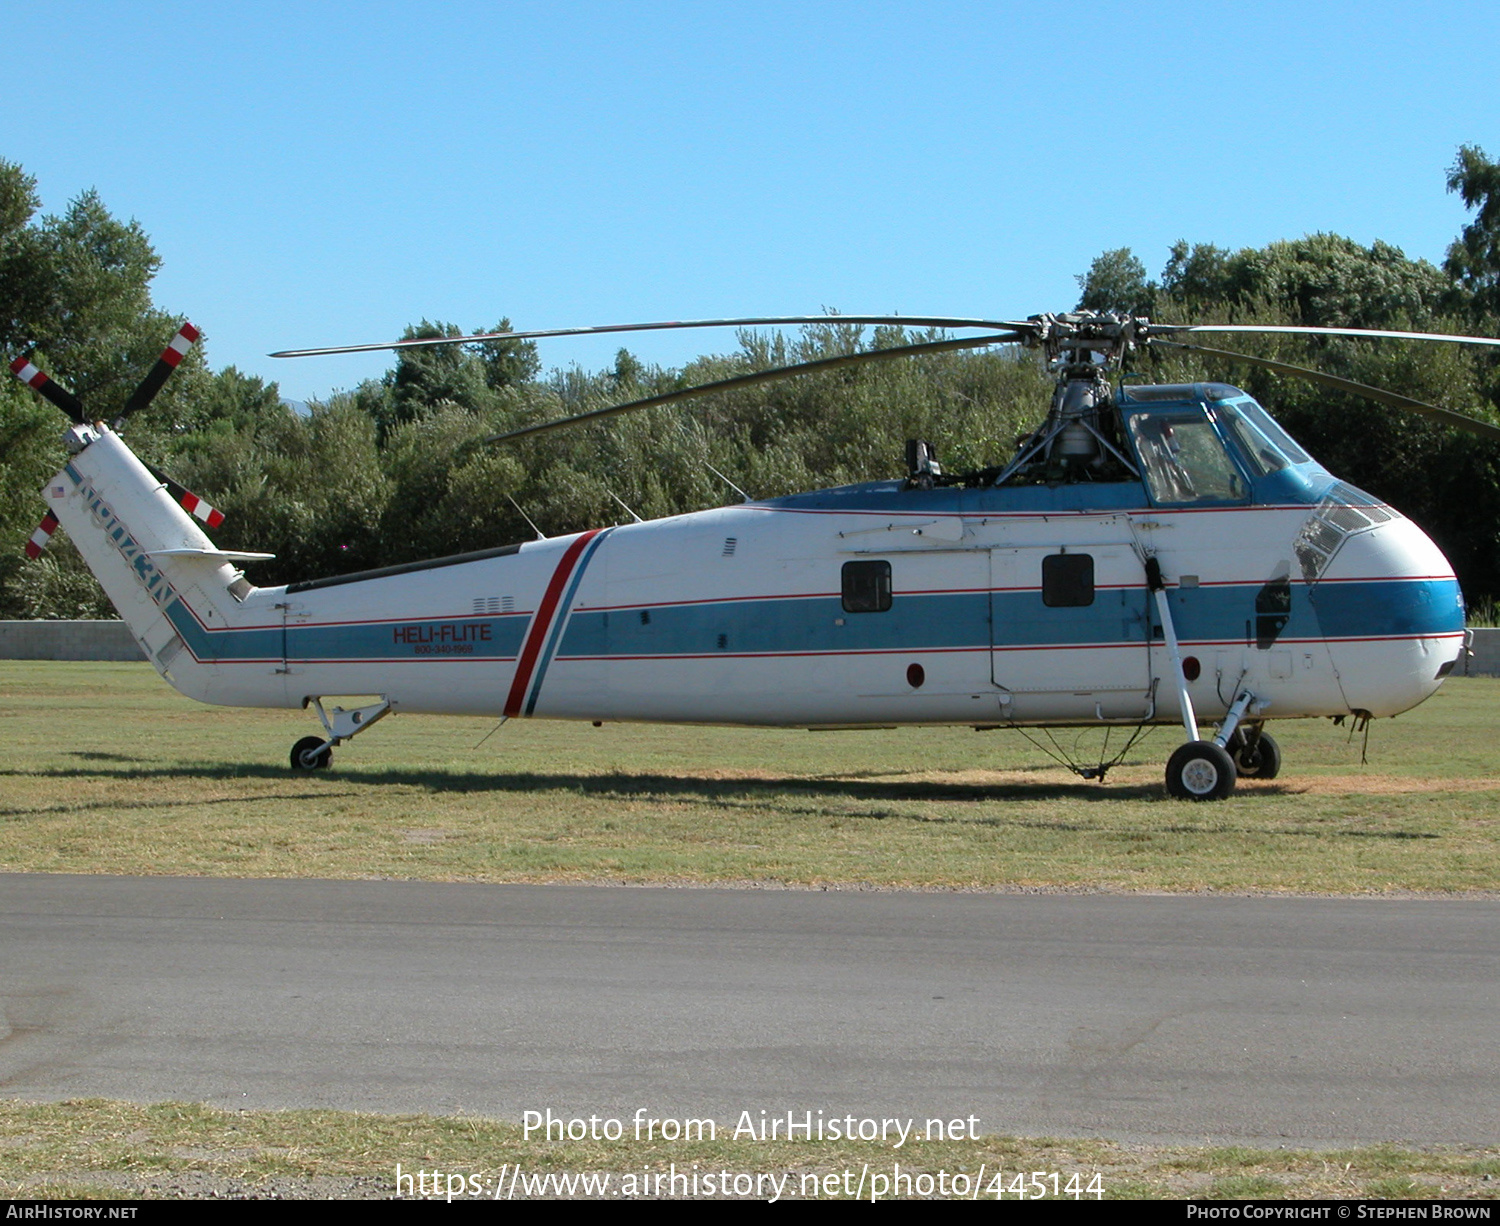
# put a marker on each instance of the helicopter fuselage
(868, 605)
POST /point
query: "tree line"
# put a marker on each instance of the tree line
(397, 469)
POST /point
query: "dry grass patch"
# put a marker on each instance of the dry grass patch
(109, 770)
(101, 1149)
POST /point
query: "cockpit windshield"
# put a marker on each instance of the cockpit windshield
(1183, 459)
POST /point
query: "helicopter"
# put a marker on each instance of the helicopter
(1150, 555)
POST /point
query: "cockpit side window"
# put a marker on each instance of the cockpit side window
(1183, 459)
(1261, 454)
(1266, 445)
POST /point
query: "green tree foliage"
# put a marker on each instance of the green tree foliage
(464, 377)
(397, 469)
(1321, 279)
(1474, 258)
(1447, 480)
(74, 292)
(1116, 281)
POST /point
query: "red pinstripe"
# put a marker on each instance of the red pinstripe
(537, 635)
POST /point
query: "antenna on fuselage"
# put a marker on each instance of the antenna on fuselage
(540, 535)
(628, 511)
(746, 497)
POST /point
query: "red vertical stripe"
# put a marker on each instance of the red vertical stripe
(543, 619)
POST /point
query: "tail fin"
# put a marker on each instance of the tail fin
(146, 551)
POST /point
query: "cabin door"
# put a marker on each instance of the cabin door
(1069, 630)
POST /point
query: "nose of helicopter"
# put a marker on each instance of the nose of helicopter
(1390, 607)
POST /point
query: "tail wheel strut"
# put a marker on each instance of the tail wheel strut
(314, 753)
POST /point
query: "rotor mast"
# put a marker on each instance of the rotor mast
(1083, 350)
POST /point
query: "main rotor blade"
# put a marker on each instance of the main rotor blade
(175, 351)
(916, 321)
(762, 376)
(1289, 329)
(1459, 420)
(43, 385)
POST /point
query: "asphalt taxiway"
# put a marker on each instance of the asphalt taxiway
(1294, 1021)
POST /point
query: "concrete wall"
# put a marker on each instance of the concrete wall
(113, 641)
(61, 640)
(1484, 657)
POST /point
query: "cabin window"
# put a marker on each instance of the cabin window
(1273, 609)
(1068, 580)
(1184, 460)
(867, 587)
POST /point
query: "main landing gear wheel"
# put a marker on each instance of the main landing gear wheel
(311, 753)
(1200, 770)
(1258, 759)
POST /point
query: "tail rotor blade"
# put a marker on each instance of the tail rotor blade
(39, 382)
(165, 365)
(41, 536)
(189, 501)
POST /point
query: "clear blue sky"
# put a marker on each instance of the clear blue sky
(321, 173)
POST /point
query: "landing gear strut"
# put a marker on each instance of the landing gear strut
(1256, 755)
(314, 753)
(1207, 770)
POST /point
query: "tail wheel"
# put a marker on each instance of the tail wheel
(311, 753)
(1200, 770)
(1258, 759)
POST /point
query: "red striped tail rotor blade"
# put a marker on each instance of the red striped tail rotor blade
(190, 502)
(41, 536)
(165, 365)
(37, 380)
(199, 509)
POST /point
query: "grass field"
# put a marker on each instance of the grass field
(107, 1149)
(108, 769)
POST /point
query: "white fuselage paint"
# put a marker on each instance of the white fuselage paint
(736, 616)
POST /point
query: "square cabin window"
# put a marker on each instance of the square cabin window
(1068, 580)
(867, 587)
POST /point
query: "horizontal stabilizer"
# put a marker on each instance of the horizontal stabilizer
(212, 555)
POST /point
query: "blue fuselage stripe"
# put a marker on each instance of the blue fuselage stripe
(425, 639)
(959, 620)
(819, 624)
